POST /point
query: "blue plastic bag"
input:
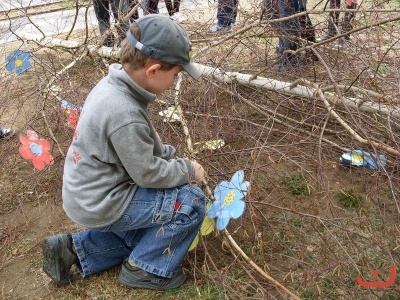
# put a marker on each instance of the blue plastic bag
(359, 157)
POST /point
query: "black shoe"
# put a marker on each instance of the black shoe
(138, 278)
(58, 258)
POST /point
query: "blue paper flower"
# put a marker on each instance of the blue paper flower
(19, 62)
(229, 200)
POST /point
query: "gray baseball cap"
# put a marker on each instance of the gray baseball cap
(164, 40)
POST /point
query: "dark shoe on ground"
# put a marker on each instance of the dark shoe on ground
(6, 133)
(138, 278)
(58, 258)
(288, 63)
(325, 37)
(341, 43)
(216, 28)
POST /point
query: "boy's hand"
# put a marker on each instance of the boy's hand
(198, 171)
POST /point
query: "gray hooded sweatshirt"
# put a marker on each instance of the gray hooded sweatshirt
(114, 150)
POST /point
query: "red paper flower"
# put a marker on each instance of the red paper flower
(72, 118)
(72, 112)
(35, 149)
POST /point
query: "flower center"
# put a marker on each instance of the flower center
(18, 62)
(35, 148)
(229, 198)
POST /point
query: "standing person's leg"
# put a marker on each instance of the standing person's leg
(333, 20)
(235, 11)
(307, 31)
(115, 9)
(289, 29)
(346, 24)
(348, 18)
(177, 4)
(170, 8)
(226, 15)
(176, 15)
(173, 9)
(130, 4)
(270, 11)
(103, 14)
(151, 7)
(119, 10)
(102, 11)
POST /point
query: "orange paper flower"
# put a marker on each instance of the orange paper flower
(35, 149)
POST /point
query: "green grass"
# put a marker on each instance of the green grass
(308, 295)
(350, 199)
(297, 184)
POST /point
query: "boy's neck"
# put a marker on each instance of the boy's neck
(138, 76)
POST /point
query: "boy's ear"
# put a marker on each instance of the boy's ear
(152, 70)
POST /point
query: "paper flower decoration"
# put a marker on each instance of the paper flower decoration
(18, 62)
(206, 228)
(360, 158)
(72, 112)
(229, 200)
(35, 149)
(170, 114)
(208, 145)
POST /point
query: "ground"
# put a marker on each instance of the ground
(311, 223)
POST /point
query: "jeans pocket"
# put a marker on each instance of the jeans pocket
(192, 208)
(165, 204)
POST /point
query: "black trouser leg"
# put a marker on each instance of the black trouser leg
(347, 19)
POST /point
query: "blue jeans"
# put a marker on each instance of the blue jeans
(227, 12)
(290, 30)
(155, 232)
(104, 8)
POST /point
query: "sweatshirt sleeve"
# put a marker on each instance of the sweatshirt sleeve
(146, 160)
(168, 152)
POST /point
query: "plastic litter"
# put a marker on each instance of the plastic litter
(359, 158)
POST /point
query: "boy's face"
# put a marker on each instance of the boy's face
(163, 80)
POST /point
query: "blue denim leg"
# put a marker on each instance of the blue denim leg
(227, 11)
(152, 232)
(98, 250)
(290, 29)
(101, 9)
